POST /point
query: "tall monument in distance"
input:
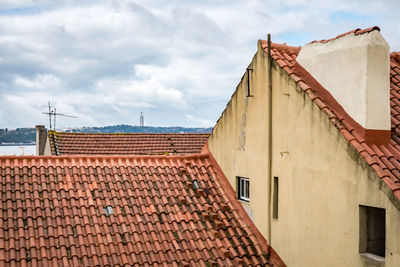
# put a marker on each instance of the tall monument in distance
(141, 119)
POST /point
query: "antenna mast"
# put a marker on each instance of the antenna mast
(54, 114)
(49, 114)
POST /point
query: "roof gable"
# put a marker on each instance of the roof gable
(383, 158)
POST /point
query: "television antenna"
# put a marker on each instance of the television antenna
(53, 113)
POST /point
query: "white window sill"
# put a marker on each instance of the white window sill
(373, 259)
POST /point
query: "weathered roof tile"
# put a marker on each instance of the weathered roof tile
(103, 210)
(65, 143)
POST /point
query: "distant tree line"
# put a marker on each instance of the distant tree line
(28, 135)
(19, 135)
(123, 128)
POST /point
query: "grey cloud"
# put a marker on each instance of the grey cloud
(178, 61)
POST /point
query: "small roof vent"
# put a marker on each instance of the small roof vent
(108, 210)
(195, 184)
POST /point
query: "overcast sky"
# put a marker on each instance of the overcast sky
(176, 61)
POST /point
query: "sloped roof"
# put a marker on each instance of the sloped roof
(383, 158)
(53, 213)
(63, 143)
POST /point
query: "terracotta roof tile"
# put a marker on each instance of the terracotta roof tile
(63, 143)
(134, 210)
(356, 32)
(384, 159)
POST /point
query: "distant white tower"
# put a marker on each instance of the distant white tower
(141, 119)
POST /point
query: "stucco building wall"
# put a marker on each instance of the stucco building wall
(322, 179)
(239, 141)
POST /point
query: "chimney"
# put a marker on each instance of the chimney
(354, 68)
(41, 138)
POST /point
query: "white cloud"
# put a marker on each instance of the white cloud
(143, 92)
(177, 61)
(198, 122)
(40, 81)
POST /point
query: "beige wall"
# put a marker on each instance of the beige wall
(322, 180)
(239, 140)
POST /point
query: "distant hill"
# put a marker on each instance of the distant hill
(139, 129)
(19, 136)
(27, 135)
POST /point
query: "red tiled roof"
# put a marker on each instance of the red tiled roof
(383, 158)
(356, 32)
(63, 143)
(53, 213)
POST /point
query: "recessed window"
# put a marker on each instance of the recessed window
(243, 188)
(372, 230)
(275, 199)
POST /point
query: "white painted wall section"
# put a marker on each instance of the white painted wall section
(355, 70)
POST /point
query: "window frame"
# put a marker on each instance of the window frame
(243, 188)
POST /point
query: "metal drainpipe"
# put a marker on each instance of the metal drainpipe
(269, 140)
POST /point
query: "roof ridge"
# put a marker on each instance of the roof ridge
(285, 47)
(357, 31)
(279, 46)
(54, 132)
(80, 156)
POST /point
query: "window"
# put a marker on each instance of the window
(372, 230)
(275, 200)
(243, 188)
(248, 81)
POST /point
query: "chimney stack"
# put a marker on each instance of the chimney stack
(41, 140)
(355, 68)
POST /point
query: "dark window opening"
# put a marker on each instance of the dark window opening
(243, 188)
(248, 70)
(372, 230)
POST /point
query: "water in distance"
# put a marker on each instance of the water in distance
(18, 150)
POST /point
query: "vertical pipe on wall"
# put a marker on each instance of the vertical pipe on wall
(269, 141)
